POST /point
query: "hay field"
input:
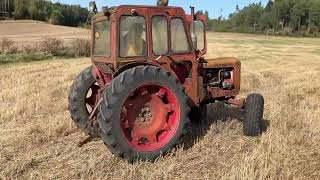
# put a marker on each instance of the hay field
(34, 117)
(28, 32)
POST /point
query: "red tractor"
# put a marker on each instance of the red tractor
(148, 71)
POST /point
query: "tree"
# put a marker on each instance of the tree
(38, 10)
(209, 24)
(42, 10)
(248, 16)
(56, 17)
(299, 14)
(265, 21)
(284, 7)
(269, 6)
(11, 7)
(21, 11)
(315, 14)
(302, 16)
(253, 14)
(275, 16)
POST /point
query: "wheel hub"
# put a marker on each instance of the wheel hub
(145, 115)
(148, 116)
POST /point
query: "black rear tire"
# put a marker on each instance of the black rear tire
(77, 105)
(199, 119)
(114, 98)
(253, 114)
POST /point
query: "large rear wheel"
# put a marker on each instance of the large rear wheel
(82, 100)
(144, 113)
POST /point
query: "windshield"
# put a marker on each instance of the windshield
(133, 36)
(160, 35)
(102, 39)
(199, 30)
(179, 40)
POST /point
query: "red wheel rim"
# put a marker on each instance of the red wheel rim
(91, 97)
(150, 117)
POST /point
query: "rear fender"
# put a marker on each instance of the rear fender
(135, 64)
(102, 75)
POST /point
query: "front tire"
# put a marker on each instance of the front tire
(253, 114)
(144, 113)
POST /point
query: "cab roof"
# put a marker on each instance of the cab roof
(171, 10)
(151, 7)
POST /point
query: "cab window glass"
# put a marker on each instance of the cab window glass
(199, 30)
(160, 35)
(132, 36)
(179, 41)
(102, 39)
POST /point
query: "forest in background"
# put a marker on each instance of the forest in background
(42, 10)
(278, 17)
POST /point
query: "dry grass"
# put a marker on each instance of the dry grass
(28, 32)
(33, 117)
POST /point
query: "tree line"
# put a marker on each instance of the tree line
(284, 17)
(43, 10)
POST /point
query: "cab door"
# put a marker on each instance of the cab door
(158, 34)
(182, 51)
(200, 24)
(172, 47)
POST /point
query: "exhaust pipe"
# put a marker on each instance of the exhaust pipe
(162, 2)
(192, 29)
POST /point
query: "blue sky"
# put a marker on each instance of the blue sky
(213, 6)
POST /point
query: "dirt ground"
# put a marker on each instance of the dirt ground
(34, 117)
(28, 32)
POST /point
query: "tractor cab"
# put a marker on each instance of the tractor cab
(129, 35)
(141, 33)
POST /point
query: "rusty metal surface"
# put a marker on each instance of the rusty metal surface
(202, 18)
(102, 78)
(164, 61)
(190, 84)
(235, 102)
(236, 77)
(85, 141)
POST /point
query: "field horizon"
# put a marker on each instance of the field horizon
(29, 32)
(34, 118)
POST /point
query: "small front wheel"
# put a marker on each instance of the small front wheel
(253, 114)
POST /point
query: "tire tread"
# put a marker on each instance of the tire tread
(111, 99)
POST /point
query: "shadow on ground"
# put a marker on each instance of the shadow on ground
(216, 112)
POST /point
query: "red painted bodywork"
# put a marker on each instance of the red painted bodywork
(202, 18)
(187, 68)
(236, 78)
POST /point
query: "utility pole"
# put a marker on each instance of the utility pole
(220, 19)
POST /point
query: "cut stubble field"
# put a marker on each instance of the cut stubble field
(34, 117)
(30, 32)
